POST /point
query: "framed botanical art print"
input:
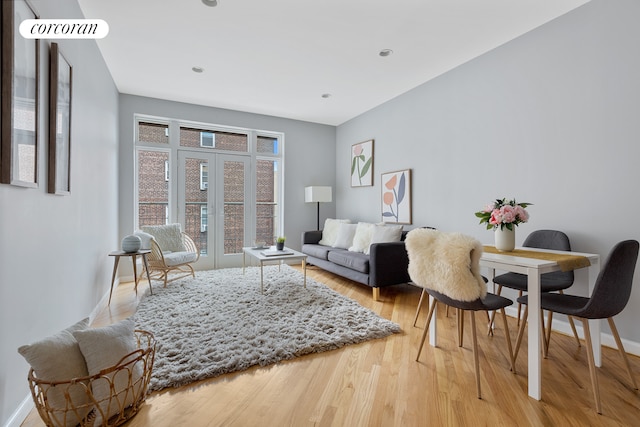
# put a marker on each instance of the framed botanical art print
(59, 123)
(19, 102)
(362, 164)
(396, 197)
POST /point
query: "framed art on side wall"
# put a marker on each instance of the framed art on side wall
(396, 197)
(19, 103)
(60, 80)
(362, 164)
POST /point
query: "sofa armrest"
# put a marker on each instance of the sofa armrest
(311, 237)
(388, 264)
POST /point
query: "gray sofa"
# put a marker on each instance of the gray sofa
(386, 264)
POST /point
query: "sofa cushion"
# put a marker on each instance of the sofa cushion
(385, 234)
(346, 232)
(317, 251)
(362, 238)
(178, 258)
(330, 230)
(353, 260)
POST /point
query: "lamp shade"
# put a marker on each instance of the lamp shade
(317, 194)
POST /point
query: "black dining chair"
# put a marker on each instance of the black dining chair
(556, 281)
(609, 297)
(446, 266)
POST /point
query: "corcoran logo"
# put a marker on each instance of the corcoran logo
(64, 28)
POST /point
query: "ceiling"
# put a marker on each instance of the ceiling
(279, 57)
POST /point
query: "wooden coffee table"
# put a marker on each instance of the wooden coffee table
(271, 254)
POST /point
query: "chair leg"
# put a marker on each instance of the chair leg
(422, 294)
(571, 323)
(543, 338)
(426, 326)
(521, 332)
(508, 338)
(592, 366)
(476, 361)
(519, 308)
(547, 332)
(493, 314)
(575, 332)
(460, 320)
(614, 330)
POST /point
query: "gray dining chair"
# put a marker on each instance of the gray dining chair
(609, 297)
(446, 266)
(556, 281)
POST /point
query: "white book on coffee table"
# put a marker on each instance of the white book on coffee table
(275, 252)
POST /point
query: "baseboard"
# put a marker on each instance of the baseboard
(606, 339)
(20, 414)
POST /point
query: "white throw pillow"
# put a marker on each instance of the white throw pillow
(330, 231)
(362, 238)
(103, 348)
(169, 237)
(384, 234)
(145, 239)
(58, 358)
(346, 232)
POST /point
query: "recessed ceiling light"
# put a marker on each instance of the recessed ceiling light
(197, 69)
(210, 3)
(385, 52)
(326, 95)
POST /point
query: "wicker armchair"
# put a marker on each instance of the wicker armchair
(165, 260)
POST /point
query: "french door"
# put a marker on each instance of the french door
(214, 205)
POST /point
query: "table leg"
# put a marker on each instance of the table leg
(244, 255)
(113, 276)
(261, 278)
(146, 267)
(304, 269)
(135, 273)
(535, 361)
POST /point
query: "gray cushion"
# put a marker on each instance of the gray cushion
(354, 260)
(317, 251)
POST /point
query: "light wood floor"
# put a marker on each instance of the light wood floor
(379, 383)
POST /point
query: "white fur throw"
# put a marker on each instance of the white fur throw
(447, 263)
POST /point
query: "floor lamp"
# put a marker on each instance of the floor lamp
(317, 194)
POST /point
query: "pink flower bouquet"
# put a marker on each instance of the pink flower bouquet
(504, 213)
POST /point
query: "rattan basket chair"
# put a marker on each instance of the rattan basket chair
(161, 264)
(126, 399)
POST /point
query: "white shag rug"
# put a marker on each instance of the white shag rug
(219, 322)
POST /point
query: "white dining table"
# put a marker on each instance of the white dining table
(533, 268)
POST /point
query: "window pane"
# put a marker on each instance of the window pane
(233, 207)
(153, 132)
(153, 189)
(267, 145)
(196, 200)
(266, 201)
(197, 138)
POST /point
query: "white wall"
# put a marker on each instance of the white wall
(308, 156)
(550, 118)
(54, 267)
